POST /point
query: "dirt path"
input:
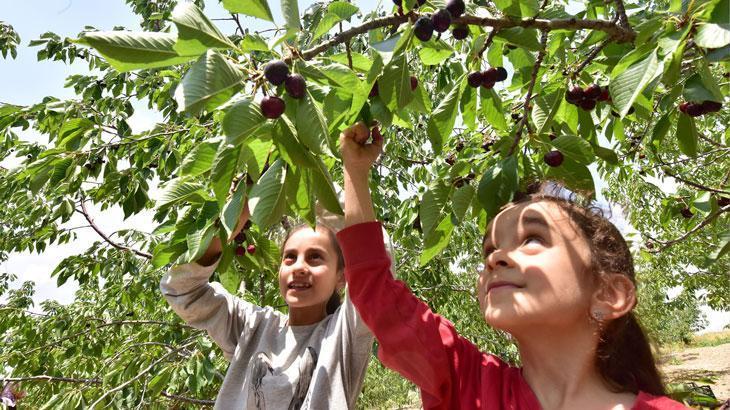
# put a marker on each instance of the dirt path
(696, 363)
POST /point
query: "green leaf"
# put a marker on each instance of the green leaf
(289, 146)
(660, 130)
(72, 131)
(574, 147)
(544, 111)
(195, 33)
(395, 84)
(254, 42)
(127, 51)
(311, 125)
(687, 135)
(695, 90)
(491, 108)
(606, 154)
(523, 37)
(443, 117)
(722, 249)
(336, 11)
(461, 200)
(627, 85)
(267, 195)
(497, 185)
(290, 11)
(435, 52)
(224, 167)
(574, 175)
(324, 189)
(254, 8)
(712, 35)
(241, 121)
(232, 210)
(210, 82)
(437, 240)
(433, 206)
(200, 159)
(198, 241)
(179, 190)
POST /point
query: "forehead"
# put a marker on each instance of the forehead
(543, 214)
(307, 237)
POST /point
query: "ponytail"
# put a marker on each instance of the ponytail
(334, 302)
(625, 359)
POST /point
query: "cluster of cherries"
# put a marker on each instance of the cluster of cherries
(587, 98)
(439, 21)
(487, 78)
(277, 73)
(696, 109)
(241, 239)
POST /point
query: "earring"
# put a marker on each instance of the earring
(598, 315)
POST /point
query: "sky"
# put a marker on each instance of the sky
(25, 81)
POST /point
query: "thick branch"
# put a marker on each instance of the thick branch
(618, 33)
(528, 97)
(106, 238)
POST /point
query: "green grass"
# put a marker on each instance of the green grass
(711, 339)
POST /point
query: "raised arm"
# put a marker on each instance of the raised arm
(420, 345)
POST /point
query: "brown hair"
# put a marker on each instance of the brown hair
(624, 357)
(334, 301)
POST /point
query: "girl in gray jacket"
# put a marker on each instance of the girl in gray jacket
(313, 358)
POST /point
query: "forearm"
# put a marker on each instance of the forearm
(358, 202)
(215, 248)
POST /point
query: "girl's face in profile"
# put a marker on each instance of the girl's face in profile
(535, 270)
(308, 273)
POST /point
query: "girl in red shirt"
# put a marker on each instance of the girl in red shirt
(558, 277)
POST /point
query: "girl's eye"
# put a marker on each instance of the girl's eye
(533, 240)
(315, 256)
(289, 257)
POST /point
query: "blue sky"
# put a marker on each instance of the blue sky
(26, 81)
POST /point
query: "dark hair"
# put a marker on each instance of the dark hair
(624, 357)
(334, 301)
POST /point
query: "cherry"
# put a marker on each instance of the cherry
(605, 96)
(456, 7)
(460, 32)
(587, 104)
(451, 159)
(575, 95)
(723, 201)
(240, 250)
(276, 72)
(686, 212)
(501, 74)
(487, 84)
(441, 20)
(475, 79)
(684, 106)
(247, 225)
(423, 28)
(272, 107)
(295, 85)
(490, 74)
(251, 249)
(593, 91)
(414, 82)
(240, 238)
(553, 158)
(695, 110)
(374, 91)
(711, 106)
(552, 136)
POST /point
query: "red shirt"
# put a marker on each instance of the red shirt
(424, 347)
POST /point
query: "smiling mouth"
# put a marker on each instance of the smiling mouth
(502, 285)
(299, 286)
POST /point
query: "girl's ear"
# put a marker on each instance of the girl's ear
(615, 297)
(340, 281)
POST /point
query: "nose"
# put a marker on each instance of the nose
(499, 258)
(299, 267)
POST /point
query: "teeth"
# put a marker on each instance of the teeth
(299, 286)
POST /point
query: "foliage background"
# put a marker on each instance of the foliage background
(119, 342)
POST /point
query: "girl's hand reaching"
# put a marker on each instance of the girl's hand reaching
(357, 154)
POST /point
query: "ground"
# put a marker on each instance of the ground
(705, 365)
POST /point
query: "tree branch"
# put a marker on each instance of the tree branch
(106, 238)
(614, 30)
(590, 57)
(185, 399)
(528, 97)
(44, 378)
(140, 374)
(711, 217)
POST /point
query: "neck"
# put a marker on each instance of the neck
(307, 315)
(560, 366)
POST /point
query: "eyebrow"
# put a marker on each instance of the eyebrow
(311, 248)
(527, 220)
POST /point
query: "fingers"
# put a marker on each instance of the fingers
(377, 137)
(358, 132)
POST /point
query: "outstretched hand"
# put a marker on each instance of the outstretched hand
(358, 155)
